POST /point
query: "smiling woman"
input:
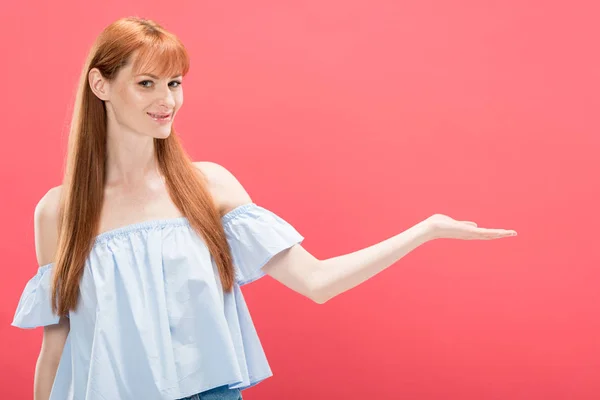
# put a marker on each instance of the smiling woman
(142, 252)
(128, 174)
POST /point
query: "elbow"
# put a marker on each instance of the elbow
(317, 288)
(317, 298)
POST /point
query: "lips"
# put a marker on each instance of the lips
(159, 115)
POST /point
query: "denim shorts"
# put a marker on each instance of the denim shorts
(218, 393)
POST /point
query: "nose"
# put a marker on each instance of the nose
(166, 100)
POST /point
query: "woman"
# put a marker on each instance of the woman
(143, 251)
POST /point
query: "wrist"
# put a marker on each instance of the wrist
(428, 231)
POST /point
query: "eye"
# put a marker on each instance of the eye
(142, 83)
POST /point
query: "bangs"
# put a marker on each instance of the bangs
(164, 57)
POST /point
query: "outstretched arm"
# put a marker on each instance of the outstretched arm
(321, 280)
(336, 275)
(299, 270)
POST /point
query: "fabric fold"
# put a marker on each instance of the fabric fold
(256, 234)
(34, 307)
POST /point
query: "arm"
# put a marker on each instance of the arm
(296, 268)
(53, 341)
(321, 280)
(339, 274)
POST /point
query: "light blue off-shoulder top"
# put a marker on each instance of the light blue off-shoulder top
(153, 321)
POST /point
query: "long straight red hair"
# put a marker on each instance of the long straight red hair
(160, 53)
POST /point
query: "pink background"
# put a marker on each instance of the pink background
(354, 121)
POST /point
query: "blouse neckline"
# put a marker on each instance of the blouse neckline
(159, 223)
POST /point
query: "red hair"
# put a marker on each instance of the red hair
(152, 50)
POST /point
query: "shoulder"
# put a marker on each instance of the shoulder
(225, 188)
(46, 225)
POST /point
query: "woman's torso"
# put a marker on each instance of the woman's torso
(126, 208)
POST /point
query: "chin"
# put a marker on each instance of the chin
(166, 135)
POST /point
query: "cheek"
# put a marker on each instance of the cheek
(137, 99)
(130, 97)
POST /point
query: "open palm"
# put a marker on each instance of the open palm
(443, 226)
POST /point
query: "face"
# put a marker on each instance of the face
(137, 102)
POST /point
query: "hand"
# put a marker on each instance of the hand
(443, 227)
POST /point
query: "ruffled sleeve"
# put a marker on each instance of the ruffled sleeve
(34, 308)
(255, 235)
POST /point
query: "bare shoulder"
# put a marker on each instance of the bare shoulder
(46, 225)
(225, 188)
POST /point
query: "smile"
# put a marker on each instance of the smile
(160, 117)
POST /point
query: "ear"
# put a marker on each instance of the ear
(98, 84)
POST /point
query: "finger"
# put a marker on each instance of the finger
(469, 223)
(495, 233)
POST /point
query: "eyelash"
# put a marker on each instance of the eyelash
(144, 86)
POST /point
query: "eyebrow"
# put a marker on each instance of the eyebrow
(156, 77)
